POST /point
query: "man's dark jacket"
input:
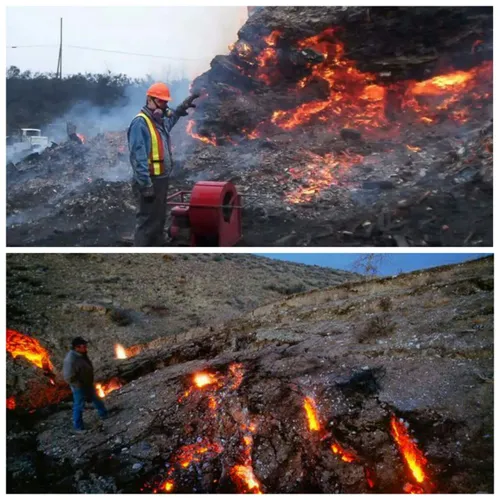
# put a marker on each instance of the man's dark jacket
(78, 370)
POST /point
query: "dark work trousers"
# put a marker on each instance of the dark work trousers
(79, 398)
(151, 216)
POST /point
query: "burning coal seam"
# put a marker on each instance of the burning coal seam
(353, 100)
(20, 345)
(212, 388)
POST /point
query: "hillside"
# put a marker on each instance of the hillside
(330, 390)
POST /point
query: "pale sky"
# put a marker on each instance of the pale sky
(178, 32)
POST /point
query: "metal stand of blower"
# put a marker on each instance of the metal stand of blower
(212, 214)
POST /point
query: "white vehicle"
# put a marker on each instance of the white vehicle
(25, 142)
(33, 137)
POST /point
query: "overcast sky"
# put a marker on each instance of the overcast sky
(177, 32)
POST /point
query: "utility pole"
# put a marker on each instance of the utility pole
(59, 61)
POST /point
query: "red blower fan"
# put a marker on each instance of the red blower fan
(212, 214)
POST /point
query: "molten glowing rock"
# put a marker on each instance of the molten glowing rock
(203, 379)
(244, 478)
(311, 412)
(120, 352)
(11, 403)
(345, 456)
(413, 457)
(29, 348)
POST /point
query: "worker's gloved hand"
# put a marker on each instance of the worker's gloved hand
(182, 109)
(148, 193)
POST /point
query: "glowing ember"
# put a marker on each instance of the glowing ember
(242, 49)
(81, 137)
(185, 456)
(120, 352)
(413, 148)
(455, 81)
(345, 456)
(244, 478)
(236, 370)
(29, 348)
(103, 389)
(11, 403)
(312, 417)
(212, 403)
(168, 486)
(413, 489)
(267, 60)
(370, 477)
(413, 457)
(207, 140)
(203, 379)
(321, 173)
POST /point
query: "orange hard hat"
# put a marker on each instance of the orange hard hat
(160, 91)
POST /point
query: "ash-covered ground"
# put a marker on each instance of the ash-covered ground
(339, 125)
(328, 390)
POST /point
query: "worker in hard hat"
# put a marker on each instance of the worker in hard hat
(152, 162)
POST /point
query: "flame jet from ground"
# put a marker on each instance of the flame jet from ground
(414, 458)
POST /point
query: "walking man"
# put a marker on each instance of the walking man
(151, 158)
(78, 371)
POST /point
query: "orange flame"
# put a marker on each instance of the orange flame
(19, 344)
(11, 403)
(203, 379)
(244, 477)
(81, 137)
(345, 456)
(207, 140)
(354, 98)
(120, 352)
(311, 412)
(268, 59)
(413, 148)
(104, 388)
(413, 457)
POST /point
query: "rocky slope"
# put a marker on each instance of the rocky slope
(134, 299)
(362, 355)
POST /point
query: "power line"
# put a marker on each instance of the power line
(80, 47)
(137, 54)
(31, 46)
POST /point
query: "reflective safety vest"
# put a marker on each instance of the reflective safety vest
(156, 157)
